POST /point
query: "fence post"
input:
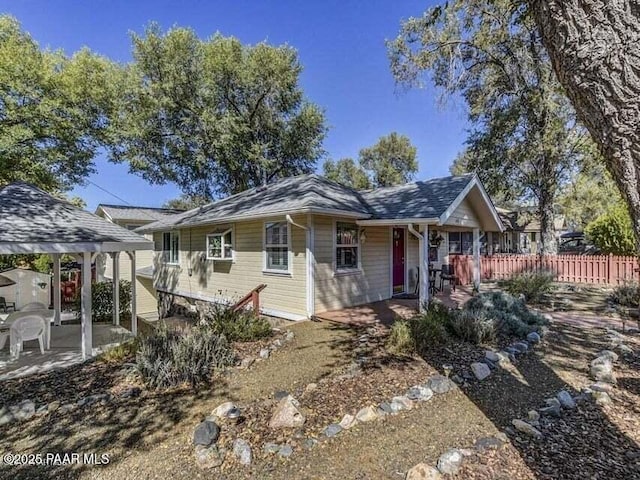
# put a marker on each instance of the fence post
(609, 257)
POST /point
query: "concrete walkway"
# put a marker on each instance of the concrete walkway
(65, 350)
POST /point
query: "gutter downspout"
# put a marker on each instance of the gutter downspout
(310, 278)
(423, 292)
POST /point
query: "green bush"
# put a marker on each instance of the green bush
(102, 300)
(430, 327)
(240, 326)
(472, 326)
(122, 352)
(534, 286)
(171, 357)
(627, 294)
(400, 339)
(612, 232)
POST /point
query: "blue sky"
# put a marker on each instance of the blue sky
(340, 43)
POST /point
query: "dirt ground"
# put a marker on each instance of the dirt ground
(150, 436)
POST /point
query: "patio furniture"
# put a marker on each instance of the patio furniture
(29, 327)
(45, 313)
(433, 275)
(447, 275)
(4, 305)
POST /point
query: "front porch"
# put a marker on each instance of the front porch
(65, 350)
(385, 312)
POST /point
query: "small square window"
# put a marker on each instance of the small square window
(220, 246)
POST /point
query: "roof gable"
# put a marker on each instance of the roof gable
(134, 213)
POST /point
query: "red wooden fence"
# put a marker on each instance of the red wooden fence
(594, 269)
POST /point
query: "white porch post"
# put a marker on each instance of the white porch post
(134, 312)
(86, 320)
(57, 292)
(115, 256)
(476, 258)
(424, 268)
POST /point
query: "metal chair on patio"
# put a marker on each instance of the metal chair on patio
(448, 275)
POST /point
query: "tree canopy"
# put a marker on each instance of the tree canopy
(391, 161)
(524, 140)
(214, 116)
(54, 111)
(612, 232)
(186, 202)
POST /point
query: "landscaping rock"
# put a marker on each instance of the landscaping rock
(480, 370)
(601, 387)
(277, 343)
(247, 362)
(385, 407)
(422, 471)
(440, 384)
(332, 430)
(566, 400)
(67, 407)
(512, 352)
(310, 387)
(242, 450)
(206, 433)
(527, 428)
(601, 398)
(521, 347)
(208, 457)
(290, 336)
(264, 353)
(270, 447)
(131, 392)
(348, 421)
(419, 393)
(309, 443)
(602, 370)
(222, 410)
(401, 403)
(367, 414)
(491, 356)
(450, 461)
(533, 337)
(488, 443)
(533, 416)
(285, 451)
(287, 414)
(53, 406)
(6, 416)
(611, 355)
(624, 349)
(280, 394)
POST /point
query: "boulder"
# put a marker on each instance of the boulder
(611, 355)
(367, 414)
(401, 403)
(440, 384)
(348, 421)
(332, 430)
(286, 414)
(450, 461)
(566, 400)
(422, 471)
(533, 337)
(222, 410)
(242, 451)
(419, 393)
(206, 433)
(527, 428)
(208, 457)
(480, 370)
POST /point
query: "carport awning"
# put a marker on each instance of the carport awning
(33, 221)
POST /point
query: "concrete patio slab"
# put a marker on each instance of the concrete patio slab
(65, 350)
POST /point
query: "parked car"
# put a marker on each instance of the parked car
(574, 243)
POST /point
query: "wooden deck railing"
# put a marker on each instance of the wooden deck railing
(593, 269)
(253, 296)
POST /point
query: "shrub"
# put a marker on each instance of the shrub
(510, 315)
(170, 357)
(472, 326)
(532, 285)
(240, 326)
(430, 327)
(612, 232)
(400, 339)
(102, 300)
(627, 294)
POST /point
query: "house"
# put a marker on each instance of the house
(522, 232)
(131, 218)
(317, 245)
(30, 286)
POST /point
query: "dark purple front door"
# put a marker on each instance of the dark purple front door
(398, 260)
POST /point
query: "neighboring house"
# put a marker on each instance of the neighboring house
(522, 233)
(318, 245)
(30, 287)
(132, 218)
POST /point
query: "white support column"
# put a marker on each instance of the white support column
(311, 262)
(134, 312)
(476, 258)
(115, 256)
(424, 268)
(57, 289)
(86, 320)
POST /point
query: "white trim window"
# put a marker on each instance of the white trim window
(347, 246)
(461, 243)
(171, 247)
(276, 246)
(220, 245)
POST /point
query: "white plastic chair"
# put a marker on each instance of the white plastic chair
(29, 327)
(45, 313)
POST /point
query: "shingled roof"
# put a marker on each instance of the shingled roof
(313, 193)
(33, 221)
(137, 214)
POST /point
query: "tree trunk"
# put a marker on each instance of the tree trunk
(594, 46)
